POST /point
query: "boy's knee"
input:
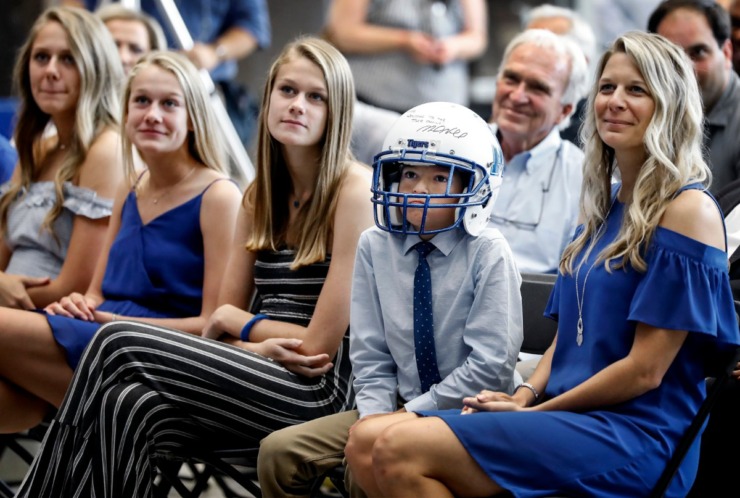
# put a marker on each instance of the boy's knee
(281, 465)
(355, 447)
(276, 447)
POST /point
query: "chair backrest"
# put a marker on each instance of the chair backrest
(539, 331)
(720, 373)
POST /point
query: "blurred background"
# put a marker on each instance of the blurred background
(290, 18)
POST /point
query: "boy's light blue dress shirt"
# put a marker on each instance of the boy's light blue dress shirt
(477, 319)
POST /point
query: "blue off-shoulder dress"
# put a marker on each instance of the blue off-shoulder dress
(621, 450)
(154, 270)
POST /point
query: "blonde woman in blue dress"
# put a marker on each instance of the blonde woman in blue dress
(642, 295)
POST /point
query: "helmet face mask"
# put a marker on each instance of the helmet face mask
(442, 135)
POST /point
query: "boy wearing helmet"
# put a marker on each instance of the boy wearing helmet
(434, 182)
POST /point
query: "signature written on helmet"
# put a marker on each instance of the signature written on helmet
(444, 130)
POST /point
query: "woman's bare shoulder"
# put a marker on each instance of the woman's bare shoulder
(694, 214)
(359, 176)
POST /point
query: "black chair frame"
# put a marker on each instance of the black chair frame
(719, 375)
(12, 442)
(238, 464)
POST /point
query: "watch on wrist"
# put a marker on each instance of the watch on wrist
(221, 52)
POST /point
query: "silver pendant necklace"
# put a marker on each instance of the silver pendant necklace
(582, 296)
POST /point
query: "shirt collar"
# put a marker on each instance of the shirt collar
(444, 241)
(549, 145)
(724, 109)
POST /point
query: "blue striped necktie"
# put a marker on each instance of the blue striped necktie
(426, 355)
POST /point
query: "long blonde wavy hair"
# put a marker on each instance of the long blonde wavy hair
(205, 141)
(673, 143)
(267, 195)
(96, 58)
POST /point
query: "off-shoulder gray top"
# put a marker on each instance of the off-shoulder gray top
(36, 251)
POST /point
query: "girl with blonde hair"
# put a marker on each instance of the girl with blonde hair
(642, 298)
(55, 209)
(142, 390)
(161, 263)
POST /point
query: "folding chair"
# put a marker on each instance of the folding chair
(8, 443)
(539, 331)
(719, 375)
(238, 464)
(13, 443)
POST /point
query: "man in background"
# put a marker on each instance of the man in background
(702, 29)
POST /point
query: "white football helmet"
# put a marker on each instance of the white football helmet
(446, 135)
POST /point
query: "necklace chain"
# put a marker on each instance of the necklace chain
(169, 189)
(579, 299)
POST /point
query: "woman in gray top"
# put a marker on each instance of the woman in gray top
(405, 53)
(55, 209)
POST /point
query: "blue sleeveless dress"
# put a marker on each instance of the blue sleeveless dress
(619, 451)
(154, 270)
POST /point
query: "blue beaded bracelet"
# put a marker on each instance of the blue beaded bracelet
(248, 326)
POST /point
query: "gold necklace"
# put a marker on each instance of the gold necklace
(579, 300)
(169, 189)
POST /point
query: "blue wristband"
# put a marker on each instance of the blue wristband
(244, 336)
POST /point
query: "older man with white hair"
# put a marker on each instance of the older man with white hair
(540, 80)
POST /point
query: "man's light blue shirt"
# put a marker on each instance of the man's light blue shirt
(537, 206)
(477, 319)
